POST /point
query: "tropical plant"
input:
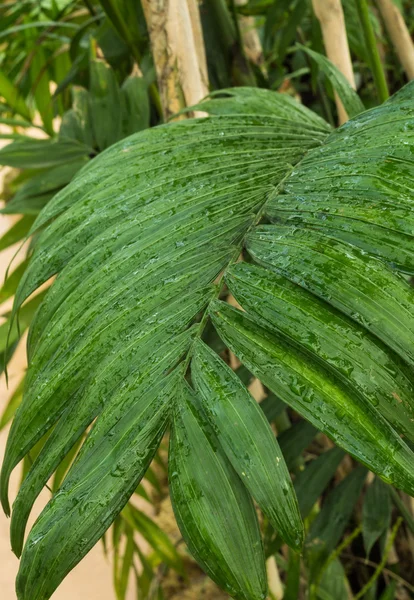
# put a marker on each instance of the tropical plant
(138, 241)
(190, 261)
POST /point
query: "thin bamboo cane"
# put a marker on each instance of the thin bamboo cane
(399, 34)
(178, 52)
(331, 18)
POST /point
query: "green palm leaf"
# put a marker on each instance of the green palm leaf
(138, 240)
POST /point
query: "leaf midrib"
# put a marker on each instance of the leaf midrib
(239, 247)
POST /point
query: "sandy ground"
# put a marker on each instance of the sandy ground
(91, 579)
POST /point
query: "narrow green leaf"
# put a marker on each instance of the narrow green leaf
(295, 440)
(35, 24)
(376, 513)
(156, 538)
(213, 509)
(77, 122)
(40, 81)
(96, 488)
(12, 405)
(349, 97)
(248, 441)
(292, 588)
(354, 355)
(329, 525)
(17, 232)
(26, 313)
(317, 395)
(105, 104)
(121, 578)
(40, 188)
(312, 481)
(12, 281)
(41, 154)
(135, 107)
(19, 123)
(82, 109)
(13, 97)
(146, 576)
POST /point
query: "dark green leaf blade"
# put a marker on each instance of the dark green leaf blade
(155, 536)
(329, 525)
(317, 395)
(248, 442)
(96, 488)
(360, 286)
(294, 440)
(345, 347)
(213, 509)
(349, 97)
(105, 104)
(312, 481)
(376, 513)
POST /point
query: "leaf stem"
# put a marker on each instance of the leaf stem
(372, 49)
(383, 562)
(333, 556)
(232, 261)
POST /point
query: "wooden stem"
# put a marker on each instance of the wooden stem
(250, 36)
(178, 51)
(331, 18)
(399, 34)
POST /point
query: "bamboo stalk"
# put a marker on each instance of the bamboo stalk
(399, 34)
(178, 51)
(273, 577)
(250, 36)
(331, 18)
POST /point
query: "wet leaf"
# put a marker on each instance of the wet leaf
(248, 441)
(349, 97)
(213, 509)
(96, 488)
(139, 240)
